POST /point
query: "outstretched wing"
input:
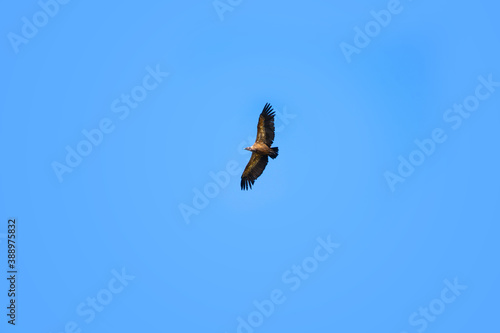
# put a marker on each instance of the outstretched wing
(253, 170)
(265, 127)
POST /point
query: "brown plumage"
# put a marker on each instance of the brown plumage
(261, 149)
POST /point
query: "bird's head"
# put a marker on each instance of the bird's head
(248, 148)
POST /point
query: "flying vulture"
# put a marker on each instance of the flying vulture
(261, 149)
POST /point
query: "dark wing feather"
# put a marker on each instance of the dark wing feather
(265, 127)
(253, 170)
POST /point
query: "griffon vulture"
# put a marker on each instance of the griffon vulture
(261, 149)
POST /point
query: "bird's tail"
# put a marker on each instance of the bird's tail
(274, 152)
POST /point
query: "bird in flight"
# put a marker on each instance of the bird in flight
(261, 149)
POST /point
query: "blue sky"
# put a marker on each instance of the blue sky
(122, 129)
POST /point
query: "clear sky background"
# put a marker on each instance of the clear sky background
(122, 131)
